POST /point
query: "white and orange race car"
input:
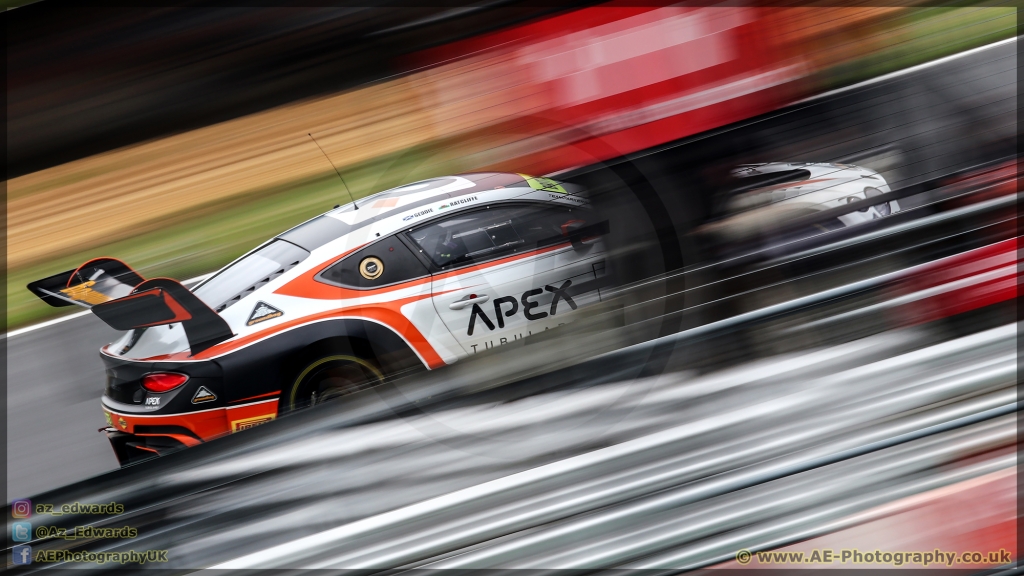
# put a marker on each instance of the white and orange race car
(410, 278)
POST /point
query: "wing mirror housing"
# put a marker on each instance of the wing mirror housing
(582, 235)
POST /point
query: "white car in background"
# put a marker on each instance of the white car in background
(764, 197)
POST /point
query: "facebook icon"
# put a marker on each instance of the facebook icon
(22, 554)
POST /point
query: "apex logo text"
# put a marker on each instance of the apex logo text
(508, 306)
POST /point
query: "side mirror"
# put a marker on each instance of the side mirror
(581, 235)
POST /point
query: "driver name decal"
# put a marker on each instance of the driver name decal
(456, 202)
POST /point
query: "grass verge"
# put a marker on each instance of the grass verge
(204, 239)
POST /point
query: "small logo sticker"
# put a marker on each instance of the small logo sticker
(457, 202)
(418, 214)
(371, 268)
(541, 183)
(247, 423)
(263, 312)
(203, 395)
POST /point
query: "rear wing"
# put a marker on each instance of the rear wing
(92, 283)
(125, 301)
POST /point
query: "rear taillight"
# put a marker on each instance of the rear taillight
(163, 381)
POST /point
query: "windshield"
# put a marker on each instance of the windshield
(483, 234)
(250, 273)
(750, 180)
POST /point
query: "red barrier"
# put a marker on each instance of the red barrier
(606, 81)
(964, 282)
(972, 524)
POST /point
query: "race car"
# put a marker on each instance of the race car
(411, 278)
(763, 198)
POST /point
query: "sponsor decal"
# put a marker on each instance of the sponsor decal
(247, 423)
(568, 197)
(203, 395)
(457, 202)
(263, 312)
(153, 401)
(371, 268)
(541, 183)
(513, 307)
(505, 340)
(122, 423)
(418, 214)
(84, 293)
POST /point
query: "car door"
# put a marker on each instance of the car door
(387, 284)
(506, 271)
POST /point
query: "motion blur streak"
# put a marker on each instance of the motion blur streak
(771, 422)
(779, 361)
(554, 93)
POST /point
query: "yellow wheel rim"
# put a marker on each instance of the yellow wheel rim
(322, 361)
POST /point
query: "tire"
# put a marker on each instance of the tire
(329, 378)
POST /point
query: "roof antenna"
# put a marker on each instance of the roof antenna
(335, 171)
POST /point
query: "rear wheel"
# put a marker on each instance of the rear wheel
(331, 377)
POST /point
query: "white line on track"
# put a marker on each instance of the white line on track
(28, 329)
(906, 71)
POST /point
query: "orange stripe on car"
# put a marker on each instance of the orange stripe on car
(307, 286)
(387, 313)
(274, 393)
(186, 440)
(206, 424)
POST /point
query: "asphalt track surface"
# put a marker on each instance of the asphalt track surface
(54, 383)
(776, 449)
(55, 377)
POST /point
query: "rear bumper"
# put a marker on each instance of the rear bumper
(135, 436)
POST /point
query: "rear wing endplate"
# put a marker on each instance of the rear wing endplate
(161, 301)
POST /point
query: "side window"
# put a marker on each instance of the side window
(385, 262)
(250, 273)
(484, 234)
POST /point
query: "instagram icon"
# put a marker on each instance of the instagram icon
(21, 508)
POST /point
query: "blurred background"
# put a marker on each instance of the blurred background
(759, 378)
